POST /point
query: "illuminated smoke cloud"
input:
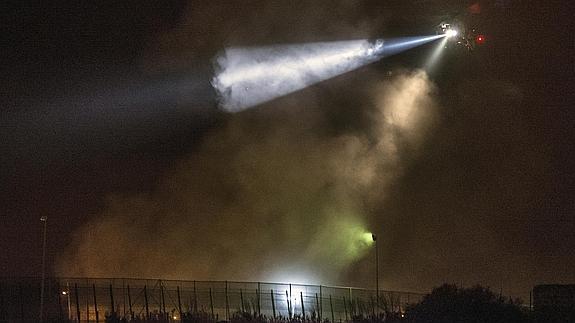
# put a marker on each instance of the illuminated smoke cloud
(250, 76)
(272, 195)
(264, 198)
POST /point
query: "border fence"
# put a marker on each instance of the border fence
(145, 300)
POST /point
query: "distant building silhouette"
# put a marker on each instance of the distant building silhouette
(554, 303)
(553, 296)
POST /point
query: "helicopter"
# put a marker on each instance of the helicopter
(460, 36)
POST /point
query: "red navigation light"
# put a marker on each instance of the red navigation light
(480, 39)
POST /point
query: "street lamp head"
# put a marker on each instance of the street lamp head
(44, 218)
(367, 238)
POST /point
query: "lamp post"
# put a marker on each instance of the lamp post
(374, 237)
(45, 220)
(67, 294)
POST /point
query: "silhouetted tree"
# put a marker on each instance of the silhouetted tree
(448, 303)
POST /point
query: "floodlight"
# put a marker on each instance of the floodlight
(451, 33)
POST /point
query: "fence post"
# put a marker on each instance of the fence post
(87, 302)
(95, 303)
(77, 301)
(130, 303)
(302, 306)
(317, 307)
(112, 300)
(162, 301)
(190, 303)
(401, 302)
(242, 300)
(146, 301)
(212, 304)
(273, 302)
(258, 294)
(227, 303)
(179, 302)
(195, 298)
(320, 303)
(351, 308)
(331, 307)
(345, 308)
(288, 305)
(59, 292)
(391, 302)
(124, 297)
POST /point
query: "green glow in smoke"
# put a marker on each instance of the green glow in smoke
(342, 240)
(353, 236)
(367, 237)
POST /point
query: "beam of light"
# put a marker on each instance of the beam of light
(246, 77)
(396, 46)
(434, 57)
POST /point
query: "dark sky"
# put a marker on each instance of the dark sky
(108, 120)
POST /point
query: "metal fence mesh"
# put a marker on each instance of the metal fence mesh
(114, 299)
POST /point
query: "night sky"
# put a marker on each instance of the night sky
(110, 127)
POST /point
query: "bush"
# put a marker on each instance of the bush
(448, 303)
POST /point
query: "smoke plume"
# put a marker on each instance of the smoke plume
(283, 192)
(271, 195)
(251, 76)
